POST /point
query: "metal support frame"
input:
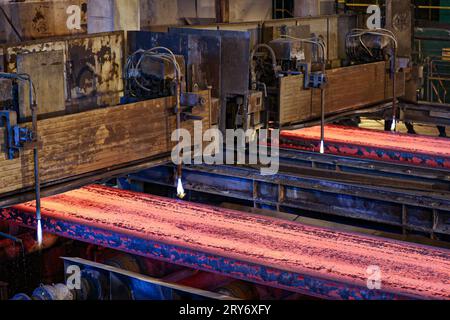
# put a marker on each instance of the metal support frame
(426, 113)
(16, 136)
(122, 284)
(312, 79)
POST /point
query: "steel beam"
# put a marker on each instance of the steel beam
(126, 285)
(406, 176)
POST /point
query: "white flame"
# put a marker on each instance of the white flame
(39, 233)
(322, 147)
(394, 124)
(180, 190)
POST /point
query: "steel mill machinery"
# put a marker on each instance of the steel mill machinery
(89, 122)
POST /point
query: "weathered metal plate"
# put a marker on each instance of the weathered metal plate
(202, 55)
(95, 72)
(92, 68)
(40, 19)
(5, 91)
(46, 69)
(234, 60)
(399, 19)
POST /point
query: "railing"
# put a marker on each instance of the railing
(437, 79)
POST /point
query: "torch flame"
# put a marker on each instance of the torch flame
(39, 233)
(394, 124)
(180, 190)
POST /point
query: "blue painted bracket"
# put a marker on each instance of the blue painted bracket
(16, 136)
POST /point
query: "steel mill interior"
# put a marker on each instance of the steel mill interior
(224, 150)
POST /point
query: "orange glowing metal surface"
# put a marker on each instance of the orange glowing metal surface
(327, 253)
(382, 139)
(379, 145)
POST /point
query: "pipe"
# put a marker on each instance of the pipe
(322, 121)
(10, 237)
(37, 181)
(252, 64)
(321, 45)
(394, 89)
(180, 190)
(168, 56)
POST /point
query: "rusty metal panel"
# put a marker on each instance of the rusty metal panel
(2, 31)
(95, 70)
(202, 52)
(11, 51)
(204, 62)
(47, 71)
(399, 19)
(5, 85)
(92, 68)
(42, 19)
(235, 62)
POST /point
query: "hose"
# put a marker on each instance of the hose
(322, 46)
(359, 34)
(252, 62)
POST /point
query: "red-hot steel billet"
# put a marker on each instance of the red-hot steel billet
(371, 144)
(250, 241)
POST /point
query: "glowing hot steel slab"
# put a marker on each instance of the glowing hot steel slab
(296, 257)
(372, 144)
